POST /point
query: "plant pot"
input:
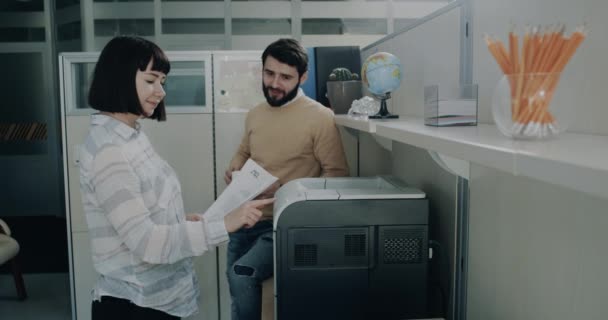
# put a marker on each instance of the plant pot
(341, 94)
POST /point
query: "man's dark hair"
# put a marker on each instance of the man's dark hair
(113, 86)
(288, 51)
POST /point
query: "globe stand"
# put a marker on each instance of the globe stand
(383, 112)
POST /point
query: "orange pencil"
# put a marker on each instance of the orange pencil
(544, 50)
(514, 56)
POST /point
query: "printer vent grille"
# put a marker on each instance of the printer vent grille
(305, 255)
(402, 246)
(354, 245)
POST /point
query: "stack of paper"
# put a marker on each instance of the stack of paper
(246, 184)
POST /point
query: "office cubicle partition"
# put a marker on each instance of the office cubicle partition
(435, 50)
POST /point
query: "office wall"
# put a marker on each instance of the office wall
(374, 157)
(416, 167)
(537, 251)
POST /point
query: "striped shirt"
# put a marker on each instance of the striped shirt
(141, 242)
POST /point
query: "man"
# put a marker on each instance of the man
(291, 136)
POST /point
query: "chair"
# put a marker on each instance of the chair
(9, 248)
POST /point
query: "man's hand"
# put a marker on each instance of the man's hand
(270, 191)
(228, 175)
(247, 215)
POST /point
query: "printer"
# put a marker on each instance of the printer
(350, 248)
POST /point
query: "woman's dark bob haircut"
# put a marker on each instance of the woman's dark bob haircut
(113, 86)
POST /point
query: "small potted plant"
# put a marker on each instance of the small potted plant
(343, 87)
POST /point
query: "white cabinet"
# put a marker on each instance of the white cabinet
(237, 83)
(84, 275)
(77, 127)
(229, 132)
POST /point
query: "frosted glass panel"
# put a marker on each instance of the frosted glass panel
(22, 87)
(21, 6)
(82, 74)
(185, 85)
(69, 31)
(60, 4)
(321, 1)
(123, 0)
(188, 84)
(23, 117)
(344, 26)
(193, 26)
(237, 82)
(22, 35)
(140, 27)
(261, 26)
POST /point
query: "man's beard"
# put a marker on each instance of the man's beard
(286, 97)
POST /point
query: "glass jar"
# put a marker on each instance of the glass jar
(522, 106)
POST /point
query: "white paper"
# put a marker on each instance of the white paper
(246, 184)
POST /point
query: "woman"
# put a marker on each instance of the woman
(141, 239)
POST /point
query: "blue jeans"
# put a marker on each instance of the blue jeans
(250, 262)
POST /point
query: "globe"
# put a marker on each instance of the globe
(381, 73)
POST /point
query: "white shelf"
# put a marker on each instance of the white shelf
(576, 161)
(361, 124)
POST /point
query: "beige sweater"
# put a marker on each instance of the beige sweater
(294, 141)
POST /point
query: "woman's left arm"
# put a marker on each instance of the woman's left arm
(118, 192)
